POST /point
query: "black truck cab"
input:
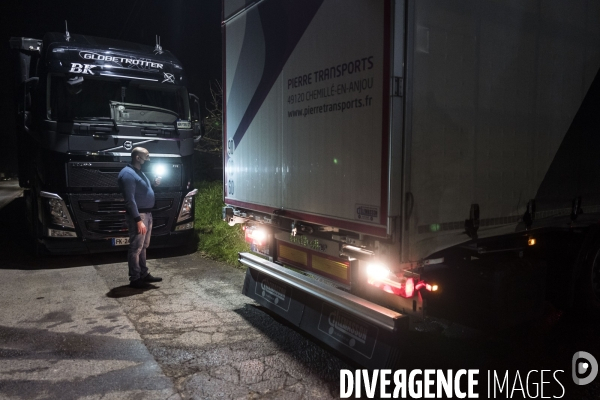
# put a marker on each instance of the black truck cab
(84, 103)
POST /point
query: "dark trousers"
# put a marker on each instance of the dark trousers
(138, 243)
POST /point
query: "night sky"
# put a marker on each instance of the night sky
(190, 29)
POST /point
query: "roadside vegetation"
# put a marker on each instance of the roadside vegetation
(216, 239)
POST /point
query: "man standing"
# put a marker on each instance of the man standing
(139, 201)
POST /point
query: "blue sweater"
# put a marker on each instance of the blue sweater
(137, 191)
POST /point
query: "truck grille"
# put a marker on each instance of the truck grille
(109, 227)
(118, 227)
(117, 206)
(102, 215)
(102, 207)
(104, 174)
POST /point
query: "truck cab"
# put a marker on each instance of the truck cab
(84, 103)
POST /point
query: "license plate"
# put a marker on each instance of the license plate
(120, 241)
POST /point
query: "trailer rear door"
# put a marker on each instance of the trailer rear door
(307, 110)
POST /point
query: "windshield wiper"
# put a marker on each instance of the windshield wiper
(131, 106)
(162, 123)
(98, 119)
(158, 123)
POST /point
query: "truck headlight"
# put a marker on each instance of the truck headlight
(183, 227)
(186, 206)
(57, 210)
(61, 234)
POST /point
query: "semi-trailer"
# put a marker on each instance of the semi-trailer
(398, 160)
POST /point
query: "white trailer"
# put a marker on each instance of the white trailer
(412, 158)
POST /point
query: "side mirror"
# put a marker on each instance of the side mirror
(197, 120)
(28, 86)
(31, 82)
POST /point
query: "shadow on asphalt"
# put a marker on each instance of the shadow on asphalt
(295, 342)
(127, 291)
(539, 347)
(45, 348)
(17, 252)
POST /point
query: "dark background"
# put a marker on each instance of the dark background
(190, 29)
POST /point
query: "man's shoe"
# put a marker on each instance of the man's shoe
(149, 278)
(138, 284)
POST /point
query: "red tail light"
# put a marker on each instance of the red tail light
(255, 236)
(409, 288)
(406, 288)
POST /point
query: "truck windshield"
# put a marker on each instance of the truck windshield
(88, 98)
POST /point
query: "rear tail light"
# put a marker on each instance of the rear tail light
(398, 284)
(427, 286)
(255, 235)
(409, 288)
(377, 271)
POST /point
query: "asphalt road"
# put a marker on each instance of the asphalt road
(9, 190)
(70, 328)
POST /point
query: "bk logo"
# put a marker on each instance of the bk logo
(82, 68)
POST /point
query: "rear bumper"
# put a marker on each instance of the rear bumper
(363, 331)
(78, 246)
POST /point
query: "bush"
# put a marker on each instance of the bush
(216, 239)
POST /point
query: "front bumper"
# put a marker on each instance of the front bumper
(78, 246)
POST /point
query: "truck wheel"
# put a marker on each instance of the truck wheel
(588, 298)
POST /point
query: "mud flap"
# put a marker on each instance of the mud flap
(365, 332)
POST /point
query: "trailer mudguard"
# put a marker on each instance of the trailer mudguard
(365, 332)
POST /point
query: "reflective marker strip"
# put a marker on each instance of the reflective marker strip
(330, 267)
(293, 255)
